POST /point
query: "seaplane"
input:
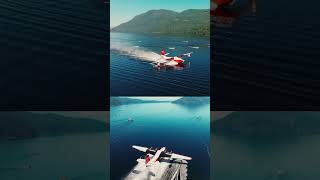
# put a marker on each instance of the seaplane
(159, 153)
(171, 61)
(159, 164)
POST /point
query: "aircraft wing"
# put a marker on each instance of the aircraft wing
(140, 148)
(178, 156)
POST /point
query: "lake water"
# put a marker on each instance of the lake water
(79, 156)
(272, 158)
(183, 129)
(271, 54)
(136, 76)
(56, 50)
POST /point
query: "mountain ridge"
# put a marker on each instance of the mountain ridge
(117, 101)
(268, 124)
(26, 125)
(190, 22)
(190, 100)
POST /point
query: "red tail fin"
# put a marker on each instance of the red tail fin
(147, 158)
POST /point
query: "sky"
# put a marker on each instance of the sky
(124, 10)
(160, 98)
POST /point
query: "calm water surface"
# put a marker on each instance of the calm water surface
(80, 156)
(271, 158)
(271, 53)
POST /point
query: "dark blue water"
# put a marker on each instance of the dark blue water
(272, 158)
(160, 124)
(78, 156)
(135, 76)
(56, 50)
(271, 54)
(265, 145)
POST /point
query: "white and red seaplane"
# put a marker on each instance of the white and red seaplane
(155, 155)
(159, 164)
(170, 61)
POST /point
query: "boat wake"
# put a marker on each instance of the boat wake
(135, 52)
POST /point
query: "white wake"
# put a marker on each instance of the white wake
(135, 52)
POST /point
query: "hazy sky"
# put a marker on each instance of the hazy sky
(124, 10)
(161, 98)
